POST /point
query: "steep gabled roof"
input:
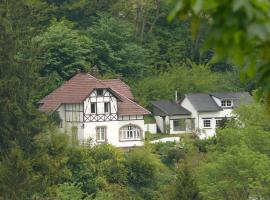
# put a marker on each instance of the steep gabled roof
(119, 86)
(170, 108)
(203, 102)
(79, 87)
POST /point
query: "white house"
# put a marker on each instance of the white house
(198, 113)
(103, 110)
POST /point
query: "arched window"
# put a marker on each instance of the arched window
(130, 132)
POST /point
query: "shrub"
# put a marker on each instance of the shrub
(142, 167)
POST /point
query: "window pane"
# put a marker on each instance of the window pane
(207, 123)
(93, 107)
(130, 133)
(106, 107)
(179, 125)
(223, 103)
(101, 134)
(99, 92)
(218, 123)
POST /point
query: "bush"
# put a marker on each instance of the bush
(203, 145)
(174, 155)
(142, 167)
(110, 162)
(66, 191)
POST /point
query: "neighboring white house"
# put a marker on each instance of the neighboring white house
(198, 113)
(103, 110)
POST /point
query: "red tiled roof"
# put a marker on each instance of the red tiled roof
(120, 87)
(81, 85)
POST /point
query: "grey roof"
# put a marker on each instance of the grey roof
(203, 102)
(237, 97)
(168, 107)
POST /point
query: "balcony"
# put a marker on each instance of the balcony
(100, 117)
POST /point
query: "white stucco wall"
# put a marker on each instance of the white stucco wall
(199, 116)
(87, 129)
(160, 123)
(152, 128)
(213, 116)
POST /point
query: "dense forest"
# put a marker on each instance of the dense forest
(43, 43)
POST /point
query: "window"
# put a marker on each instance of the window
(226, 103)
(107, 108)
(93, 107)
(223, 103)
(207, 123)
(130, 132)
(99, 92)
(101, 134)
(179, 125)
(73, 112)
(218, 123)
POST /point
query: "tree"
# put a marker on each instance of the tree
(185, 187)
(116, 49)
(238, 31)
(183, 79)
(238, 173)
(63, 50)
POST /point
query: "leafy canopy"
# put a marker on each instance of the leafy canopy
(238, 31)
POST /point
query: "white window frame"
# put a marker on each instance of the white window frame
(130, 133)
(109, 107)
(226, 103)
(204, 123)
(101, 132)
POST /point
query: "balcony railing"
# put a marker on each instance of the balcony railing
(100, 117)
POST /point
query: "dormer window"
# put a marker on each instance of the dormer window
(226, 103)
(99, 92)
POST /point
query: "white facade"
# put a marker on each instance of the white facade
(97, 119)
(203, 123)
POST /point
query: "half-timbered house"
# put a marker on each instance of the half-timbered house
(101, 110)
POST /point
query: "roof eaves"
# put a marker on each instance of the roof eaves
(154, 104)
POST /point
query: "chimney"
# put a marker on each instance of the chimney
(176, 96)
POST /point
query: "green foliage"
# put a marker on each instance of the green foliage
(185, 185)
(15, 176)
(238, 30)
(63, 50)
(111, 163)
(115, 47)
(170, 152)
(238, 162)
(142, 167)
(203, 145)
(67, 191)
(245, 174)
(184, 80)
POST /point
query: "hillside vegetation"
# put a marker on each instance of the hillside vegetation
(44, 42)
